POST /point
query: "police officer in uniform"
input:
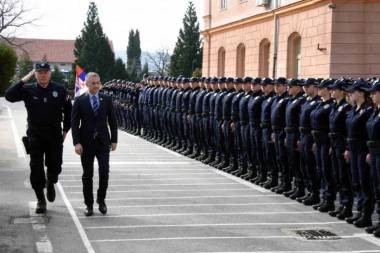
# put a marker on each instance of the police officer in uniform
(47, 104)
(337, 134)
(358, 150)
(373, 158)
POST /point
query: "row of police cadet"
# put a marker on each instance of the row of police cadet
(312, 140)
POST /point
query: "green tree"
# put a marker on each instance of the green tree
(25, 65)
(133, 55)
(92, 48)
(8, 62)
(187, 54)
(120, 71)
(57, 76)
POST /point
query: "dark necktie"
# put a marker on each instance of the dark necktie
(95, 105)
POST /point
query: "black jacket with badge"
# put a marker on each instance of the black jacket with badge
(46, 107)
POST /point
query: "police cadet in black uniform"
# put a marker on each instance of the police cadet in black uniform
(199, 147)
(47, 104)
(265, 124)
(229, 151)
(214, 93)
(373, 143)
(235, 125)
(278, 136)
(187, 147)
(244, 155)
(192, 118)
(358, 150)
(307, 163)
(320, 129)
(292, 122)
(254, 116)
(337, 134)
(206, 130)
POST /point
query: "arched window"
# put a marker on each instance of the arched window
(221, 61)
(294, 56)
(264, 58)
(240, 61)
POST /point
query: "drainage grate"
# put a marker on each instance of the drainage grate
(317, 234)
(30, 220)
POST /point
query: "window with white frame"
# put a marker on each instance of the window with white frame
(223, 4)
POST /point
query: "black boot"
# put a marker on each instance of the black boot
(351, 220)
(336, 211)
(210, 159)
(313, 199)
(302, 198)
(372, 229)
(364, 221)
(41, 201)
(376, 233)
(327, 206)
(290, 192)
(299, 193)
(50, 191)
(345, 213)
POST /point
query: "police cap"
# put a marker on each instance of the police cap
(238, 80)
(229, 80)
(208, 80)
(325, 83)
(42, 66)
(266, 81)
(185, 80)
(256, 80)
(202, 79)
(310, 81)
(293, 82)
(359, 85)
(339, 84)
(145, 76)
(194, 79)
(247, 79)
(280, 80)
(375, 86)
(214, 80)
(222, 79)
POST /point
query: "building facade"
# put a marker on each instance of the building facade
(291, 38)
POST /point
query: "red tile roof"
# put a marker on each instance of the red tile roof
(54, 50)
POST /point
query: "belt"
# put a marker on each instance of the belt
(372, 144)
(177, 110)
(290, 129)
(354, 140)
(243, 122)
(317, 133)
(335, 135)
(304, 130)
(277, 128)
(226, 117)
(205, 114)
(218, 118)
(254, 124)
(265, 125)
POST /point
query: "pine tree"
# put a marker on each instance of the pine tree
(8, 62)
(57, 76)
(25, 66)
(187, 54)
(92, 48)
(120, 71)
(133, 54)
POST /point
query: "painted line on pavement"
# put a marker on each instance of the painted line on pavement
(43, 243)
(219, 225)
(77, 223)
(197, 214)
(140, 174)
(166, 190)
(16, 137)
(154, 179)
(131, 163)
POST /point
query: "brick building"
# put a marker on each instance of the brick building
(292, 38)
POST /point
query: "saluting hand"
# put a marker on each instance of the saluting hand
(28, 76)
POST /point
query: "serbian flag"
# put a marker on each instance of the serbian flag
(80, 85)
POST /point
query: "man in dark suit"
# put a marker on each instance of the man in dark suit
(92, 138)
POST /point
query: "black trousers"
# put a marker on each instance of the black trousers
(45, 149)
(102, 153)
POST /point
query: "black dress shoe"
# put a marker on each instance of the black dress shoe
(372, 229)
(41, 206)
(102, 206)
(89, 211)
(335, 212)
(50, 191)
(351, 220)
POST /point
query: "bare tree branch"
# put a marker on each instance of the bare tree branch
(159, 60)
(12, 13)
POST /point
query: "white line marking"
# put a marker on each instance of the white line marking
(191, 190)
(369, 238)
(302, 251)
(77, 223)
(218, 225)
(141, 175)
(169, 151)
(43, 243)
(16, 137)
(186, 197)
(196, 214)
(133, 163)
(152, 179)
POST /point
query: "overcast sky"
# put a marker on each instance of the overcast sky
(158, 21)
